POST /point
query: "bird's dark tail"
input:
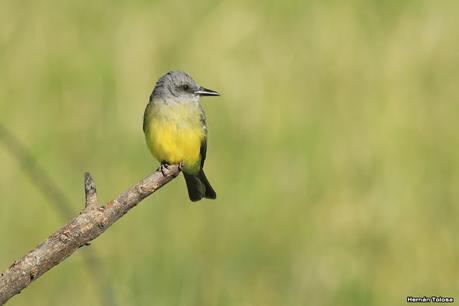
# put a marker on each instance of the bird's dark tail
(199, 187)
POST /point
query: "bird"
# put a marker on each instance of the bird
(175, 129)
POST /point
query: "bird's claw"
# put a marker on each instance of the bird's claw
(163, 167)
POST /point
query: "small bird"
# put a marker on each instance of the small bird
(175, 129)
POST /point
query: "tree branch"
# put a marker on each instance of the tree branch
(61, 203)
(88, 225)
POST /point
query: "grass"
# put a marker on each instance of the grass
(333, 148)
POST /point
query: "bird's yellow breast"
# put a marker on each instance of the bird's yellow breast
(174, 133)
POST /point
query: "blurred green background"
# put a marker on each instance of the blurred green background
(334, 148)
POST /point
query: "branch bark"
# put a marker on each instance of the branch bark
(88, 225)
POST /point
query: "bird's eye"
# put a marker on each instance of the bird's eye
(185, 87)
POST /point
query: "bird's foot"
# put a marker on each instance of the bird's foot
(163, 167)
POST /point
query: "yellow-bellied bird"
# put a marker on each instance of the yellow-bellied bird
(176, 132)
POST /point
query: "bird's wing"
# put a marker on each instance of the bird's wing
(203, 149)
(145, 114)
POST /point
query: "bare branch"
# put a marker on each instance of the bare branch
(90, 191)
(87, 226)
(61, 203)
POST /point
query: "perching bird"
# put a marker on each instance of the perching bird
(175, 129)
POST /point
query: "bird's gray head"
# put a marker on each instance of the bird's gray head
(179, 86)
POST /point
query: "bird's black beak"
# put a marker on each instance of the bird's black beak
(206, 92)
